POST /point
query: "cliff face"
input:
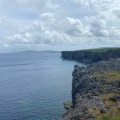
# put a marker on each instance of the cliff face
(90, 56)
(95, 92)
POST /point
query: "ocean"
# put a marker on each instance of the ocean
(34, 85)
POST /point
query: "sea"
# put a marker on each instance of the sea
(34, 85)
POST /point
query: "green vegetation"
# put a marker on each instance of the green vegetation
(114, 112)
(102, 49)
(108, 118)
(96, 50)
(110, 75)
(106, 99)
(111, 114)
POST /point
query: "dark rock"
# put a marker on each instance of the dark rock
(90, 56)
(86, 90)
(102, 111)
(115, 98)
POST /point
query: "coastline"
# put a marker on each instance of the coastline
(92, 55)
(95, 92)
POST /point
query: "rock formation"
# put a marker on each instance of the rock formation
(93, 55)
(95, 92)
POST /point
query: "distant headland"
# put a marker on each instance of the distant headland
(91, 55)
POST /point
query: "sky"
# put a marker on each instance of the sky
(58, 24)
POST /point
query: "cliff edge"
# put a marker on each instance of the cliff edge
(95, 92)
(91, 55)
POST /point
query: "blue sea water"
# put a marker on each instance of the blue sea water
(34, 85)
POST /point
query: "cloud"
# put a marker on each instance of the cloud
(76, 22)
(89, 3)
(76, 28)
(98, 28)
(49, 30)
(22, 10)
(40, 32)
(116, 12)
(2, 19)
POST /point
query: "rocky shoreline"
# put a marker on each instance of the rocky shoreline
(95, 92)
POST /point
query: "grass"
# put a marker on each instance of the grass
(111, 75)
(102, 49)
(99, 50)
(109, 115)
(112, 114)
(108, 118)
(106, 97)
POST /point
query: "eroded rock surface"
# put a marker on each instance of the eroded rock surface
(95, 91)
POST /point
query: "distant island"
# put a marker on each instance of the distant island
(96, 88)
(34, 51)
(91, 55)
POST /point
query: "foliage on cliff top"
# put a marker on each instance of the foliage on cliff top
(111, 75)
(103, 49)
(95, 50)
(111, 114)
(114, 112)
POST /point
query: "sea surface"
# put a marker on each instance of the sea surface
(34, 85)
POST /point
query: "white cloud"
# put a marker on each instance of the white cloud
(76, 22)
(49, 30)
(2, 19)
(49, 4)
(89, 3)
(47, 17)
(116, 12)
(40, 32)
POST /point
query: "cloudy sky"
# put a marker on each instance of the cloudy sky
(58, 24)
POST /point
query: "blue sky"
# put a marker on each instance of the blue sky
(58, 25)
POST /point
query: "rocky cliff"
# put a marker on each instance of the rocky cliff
(95, 92)
(93, 55)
